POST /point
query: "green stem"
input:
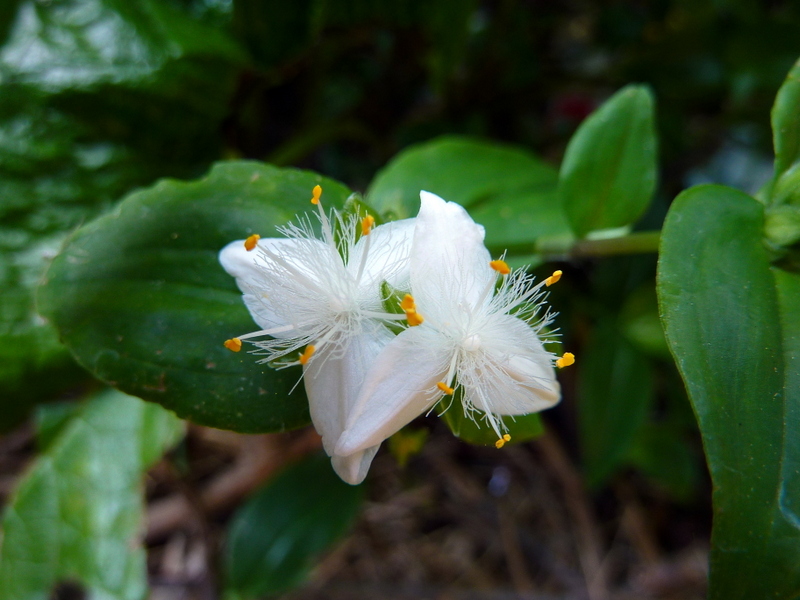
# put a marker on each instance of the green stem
(561, 248)
(641, 242)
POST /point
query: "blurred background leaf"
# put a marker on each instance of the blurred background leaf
(508, 190)
(608, 174)
(77, 514)
(615, 395)
(275, 536)
(786, 139)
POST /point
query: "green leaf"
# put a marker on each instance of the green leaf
(500, 184)
(608, 175)
(275, 537)
(662, 453)
(782, 225)
(141, 300)
(786, 139)
(733, 324)
(99, 97)
(50, 420)
(516, 220)
(83, 43)
(640, 322)
(615, 395)
(477, 431)
(77, 515)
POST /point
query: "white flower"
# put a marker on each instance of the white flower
(319, 304)
(475, 335)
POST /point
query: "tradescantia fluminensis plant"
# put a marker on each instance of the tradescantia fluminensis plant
(141, 300)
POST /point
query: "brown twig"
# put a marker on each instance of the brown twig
(577, 503)
(260, 457)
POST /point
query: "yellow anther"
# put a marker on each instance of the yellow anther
(367, 223)
(502, 441)
(414, 318)
(500, 266)
(566, 360)
(233, 344)
(553, 279)
(315, 194)
(309, 352)
(410, 308)
(445, 388)
(407, 303)
(251, 242)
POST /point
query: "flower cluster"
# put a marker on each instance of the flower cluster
(334, 304)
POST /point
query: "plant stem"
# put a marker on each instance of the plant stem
(640, 242)
(549, 249)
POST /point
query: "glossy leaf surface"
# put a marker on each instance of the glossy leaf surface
(77, 515)
(141, 300)
(608, 174)
(732, 324)
(274, 538)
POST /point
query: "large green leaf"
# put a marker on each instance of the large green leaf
(608, 175)
(507, 189)
(275, 537)
(141, 300)
(732, 324)
(77, 515)
(616, 393)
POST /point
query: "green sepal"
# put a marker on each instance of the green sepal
(475, 429)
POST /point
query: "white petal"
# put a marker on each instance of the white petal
(517, 376)
(398, 388)
(449, 264)
(387, 259)
(333, 380)
(247, 266)
(353, 469)
(252, 276)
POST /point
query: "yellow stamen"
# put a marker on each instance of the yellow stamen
(407, 303)
(410, 308)
(566, 360)
(553, 279)
(308, 352)
(251, 242)
(315, 194)
(502, 441)
(233, 344)
(367, 223)
(414, 318)
(445, 388)
(500, 266)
